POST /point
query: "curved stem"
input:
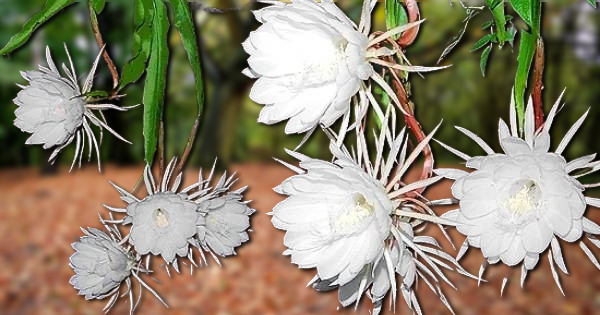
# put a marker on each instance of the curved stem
(100, 41)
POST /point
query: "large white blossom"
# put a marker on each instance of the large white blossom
(55, 111)
(353, 221)
(310, 60)
(337, 217)
(514, 204)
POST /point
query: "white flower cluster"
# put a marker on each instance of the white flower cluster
(56, 112)
(166, 223)
(515, 204)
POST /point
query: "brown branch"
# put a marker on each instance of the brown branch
(189, 145)
(538, 85)
(416, 130)
(100, 41)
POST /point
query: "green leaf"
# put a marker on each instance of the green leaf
(385, 101)
(47, 11)
(487, 25)
(484, 41)
(97, 94)
(525, 57)
(508, 18)
(156, 77)
(395, 15)
(484, 58)
(98, 5)
(523, 8)
(593, 3)
(185, 24)
(142, 40)
(497, 8)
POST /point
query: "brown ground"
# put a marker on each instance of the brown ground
(40, 216)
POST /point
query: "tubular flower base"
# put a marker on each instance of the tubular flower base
(54, 110)
(310, 59)
(348, 220)
(515, 204)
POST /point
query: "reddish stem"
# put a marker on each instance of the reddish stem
(538, 85)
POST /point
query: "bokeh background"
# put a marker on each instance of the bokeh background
(42, 207)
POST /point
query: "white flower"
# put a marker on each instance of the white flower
(100, 265)
(54, 109)
(336, 217)
(309, 59)
(354, 224)
(226, 221)
(515, 203)
(164, 222)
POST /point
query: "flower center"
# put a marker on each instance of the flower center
(354, 217)
(523, 197)
(321, 65)
(160, 218)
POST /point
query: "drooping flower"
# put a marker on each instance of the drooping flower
(354, 223)
(55, 111)
(310, 59)
(226, 219)
(100, 264)
(515, 204)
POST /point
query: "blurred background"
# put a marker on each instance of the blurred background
(41, 208)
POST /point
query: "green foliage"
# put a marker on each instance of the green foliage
(395, 15)
(47, 11)
(484, 58)
(185, 25)
(593, 3)
(98, 5)
(142, 41)
(156, 75)
(526, 53)
(497, 8)
(490, 38)
(487, 25)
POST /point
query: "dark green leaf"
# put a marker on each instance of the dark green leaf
(156, 77)
(484, 41)
(98, 5)
(185, 25)
(142, 41)
(536, 15)
(523, 8)
(47, 11)
(526, 52)
(592, 2)
(484, 58)
(487, 25)
(395, 15)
